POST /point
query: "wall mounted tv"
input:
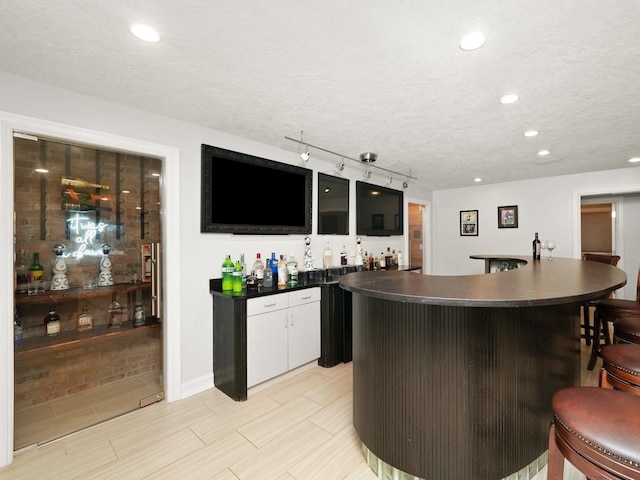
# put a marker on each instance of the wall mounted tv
(379, 210)
(333, 205)
(234, 200)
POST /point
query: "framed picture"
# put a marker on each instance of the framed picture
(469, 223)
(377, 221)
(508, 217)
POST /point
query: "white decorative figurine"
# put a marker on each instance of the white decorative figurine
(105, 278)
(59, 281)
(359, 257)
(308, 258)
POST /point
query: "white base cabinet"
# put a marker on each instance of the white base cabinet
(283, 332)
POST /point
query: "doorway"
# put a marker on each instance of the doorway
(416, 235)
(71, 202)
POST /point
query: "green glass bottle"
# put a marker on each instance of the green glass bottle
(237, 277)
(36, 276)
(227, 274)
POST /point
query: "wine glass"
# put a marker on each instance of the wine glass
(551, 244)
(543, 247)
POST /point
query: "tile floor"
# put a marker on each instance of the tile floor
(299, 429)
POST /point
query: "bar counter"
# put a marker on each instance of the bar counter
(453, 375)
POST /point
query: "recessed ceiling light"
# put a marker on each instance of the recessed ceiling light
(530, 133)
(543, 153)
(510, 98)
(144, 32)
(477, 179)
(472, 41)
(634, 160)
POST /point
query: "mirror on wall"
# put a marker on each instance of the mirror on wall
(333, 205)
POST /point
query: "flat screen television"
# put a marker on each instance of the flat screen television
(379, 210)
(333, 205)
(233, 198)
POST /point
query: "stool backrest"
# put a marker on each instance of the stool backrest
(596, 257)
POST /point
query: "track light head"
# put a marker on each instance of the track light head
(405, 184)
(305, 155)
(340, 165)
(389, 180)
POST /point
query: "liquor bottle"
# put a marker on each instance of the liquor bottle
(36, 275)
(52, 322)
(22, 273)
(115, 312)
(400, 258)
(82, 207)
(138, 318)
(80, 183)
(258, 269)
(252, 281)
(372, 262)
(267, 280)
(17, 330)
(282, 272)
(82, 196)
(382, 261)
(244, 271)
(292, 271)
(536, 247)
(227, 274)
(388, 259)
(85, 320)
(327, 256)
(274, 267)
(343, 255)
(237, 277)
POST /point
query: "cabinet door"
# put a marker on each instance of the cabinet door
(304, 334)
(266, 346)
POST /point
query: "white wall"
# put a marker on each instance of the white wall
(550, 207)
(200, 255)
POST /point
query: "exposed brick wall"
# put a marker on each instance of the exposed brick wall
(51, 372)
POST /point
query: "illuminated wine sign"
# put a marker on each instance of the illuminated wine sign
(83, 232)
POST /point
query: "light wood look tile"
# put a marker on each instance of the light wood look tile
(299, 429)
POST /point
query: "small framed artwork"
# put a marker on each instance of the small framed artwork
(508, 217)
(469, 223)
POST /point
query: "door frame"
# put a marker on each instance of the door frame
(426, 232)
(170, 215)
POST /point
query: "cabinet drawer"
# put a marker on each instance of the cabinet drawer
(269, 303)
(307, 295)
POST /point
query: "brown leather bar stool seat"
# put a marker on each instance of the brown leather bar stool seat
(621, 367)
(627, 330)
(598, 431)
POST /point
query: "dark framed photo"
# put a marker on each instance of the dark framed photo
(508, 217)
(469, 223)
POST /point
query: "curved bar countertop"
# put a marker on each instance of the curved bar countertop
(453, 375)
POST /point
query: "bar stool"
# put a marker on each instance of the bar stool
(621, 367)
(598, 431)
(588, 331)
(611, 310)
(627, 330)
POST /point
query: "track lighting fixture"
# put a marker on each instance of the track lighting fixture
(405, 184)
(389, 180)
(367, 158)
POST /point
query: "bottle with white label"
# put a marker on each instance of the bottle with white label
(85, 320)
(52, 322)
(258, 269)
(327, 256)
(292, 272)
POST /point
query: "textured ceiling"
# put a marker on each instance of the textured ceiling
(362, 76)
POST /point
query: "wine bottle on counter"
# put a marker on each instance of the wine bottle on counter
(80, 183)
(52, 322)
(536, 247)
(82, 196)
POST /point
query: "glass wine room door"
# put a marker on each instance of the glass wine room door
(88, 329)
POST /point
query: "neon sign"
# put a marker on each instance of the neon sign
(84, 232)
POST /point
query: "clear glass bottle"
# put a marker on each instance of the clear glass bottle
(343, 255)
(327, 256)
(52, 322)
(258, 269)
(292, 271)
(267, 280)
(85, 320)
(252, 281)
(115, 312)
(22, 273)
(227, 274)
(282, 272)
(382, 262)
